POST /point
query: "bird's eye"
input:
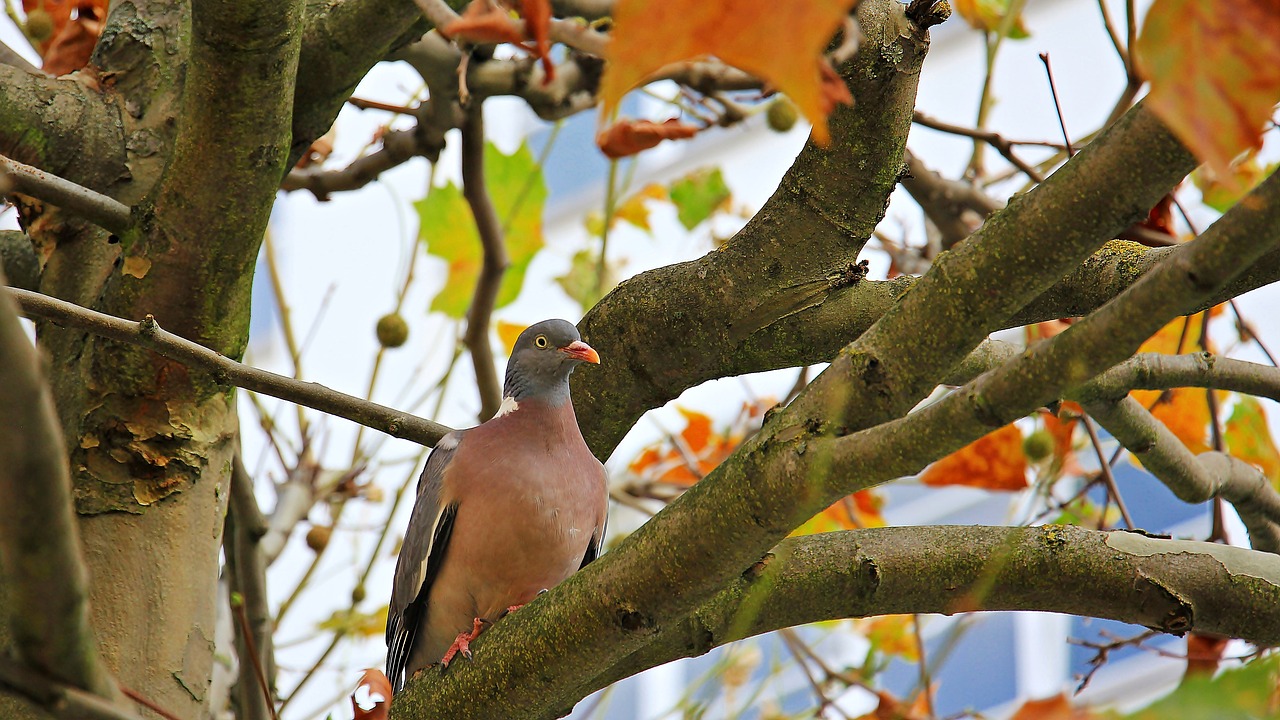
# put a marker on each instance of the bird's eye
(540, 341)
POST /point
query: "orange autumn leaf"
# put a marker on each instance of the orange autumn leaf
(1214, 71)
(889, 707)
(688, 456)
(372, 698)
(852, 512)
(782, 44)
(697, 430)
(1160, 217)
(629, 137)
(483, 22)
(1185, 411)
(69, 42)
(1052, 708)
(537, 23)
(994, 462)
(1204, 654)
(1047, 329)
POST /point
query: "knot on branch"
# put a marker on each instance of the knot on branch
(927, 13)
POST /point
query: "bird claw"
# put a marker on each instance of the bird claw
(462, 643)
(513, 608)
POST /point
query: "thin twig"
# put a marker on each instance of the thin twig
(286, 322)
(1108, 477)
(243, 621)
(493, 268)
(148, 703)
(93, 206)
(364, 104)
(926, 684)
(995, 140)
(149, 334)
(1247, 332)
(1057, 106)
(1116, 42)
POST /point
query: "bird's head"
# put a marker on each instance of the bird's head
(542, 359)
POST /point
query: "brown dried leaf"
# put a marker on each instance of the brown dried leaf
(631, 136)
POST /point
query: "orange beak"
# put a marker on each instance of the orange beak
(579, 350)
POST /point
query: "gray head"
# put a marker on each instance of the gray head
(542, 359)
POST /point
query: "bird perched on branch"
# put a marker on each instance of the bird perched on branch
(504, 510)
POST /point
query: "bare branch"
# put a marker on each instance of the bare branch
(398, 147)
(92, 206)
(39, 536)
(957, 208)
(313, 395)
(994, 139)
(246, 567)
(494, 267)
(1155, 371)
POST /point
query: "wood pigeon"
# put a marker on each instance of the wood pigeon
(504, 511)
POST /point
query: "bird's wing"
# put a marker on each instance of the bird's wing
(421, 554)
(597, 539)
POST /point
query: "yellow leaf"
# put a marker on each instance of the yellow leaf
(781, 44)
(988, 15)
(892, 635)
(508, 332)
(1214, 70)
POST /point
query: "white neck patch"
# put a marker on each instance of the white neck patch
(509, 405)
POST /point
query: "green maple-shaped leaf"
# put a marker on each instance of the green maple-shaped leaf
(699, 194)
(447, 227)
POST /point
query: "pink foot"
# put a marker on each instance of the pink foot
(462, 643)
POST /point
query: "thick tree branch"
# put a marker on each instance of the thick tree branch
(45, 576)
(18, 260)
(1051, 368)
(225, 371)
(1022, 250)
(1211, 589)
(93, 206)
(1193, 478)
(60, 700)
(213, 201)
(493, 267)
(60, 126)
(794, 467)
(1118, 265)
